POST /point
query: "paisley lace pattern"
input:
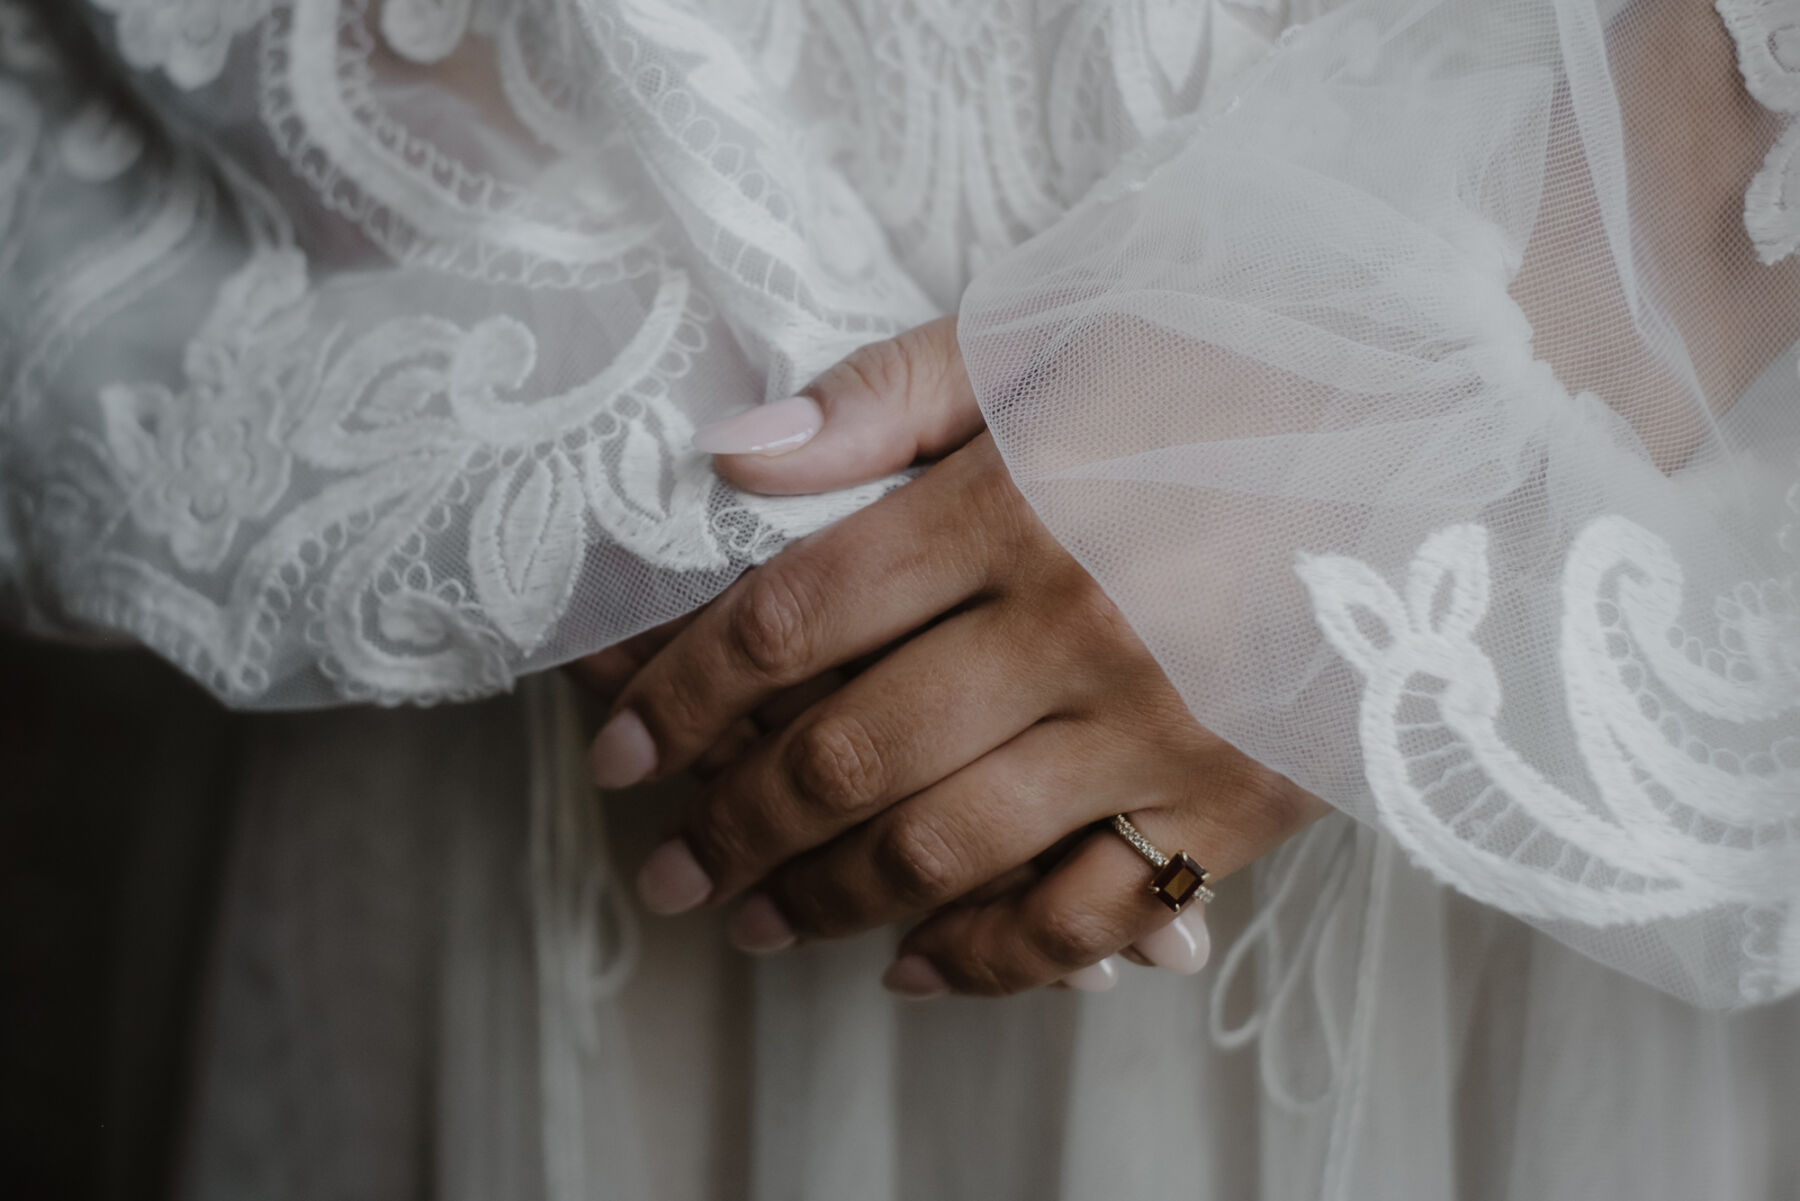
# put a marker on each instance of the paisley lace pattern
(1767, 33)
(1678, 824)
(595, 237)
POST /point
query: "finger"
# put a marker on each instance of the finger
(1183, 946)
(992, 817)
(931, 707)
(730, 749)
(609, 670)
(781, 709)
(746, 732)
(1094, 904)
(879, 410)
(760, 928)
(848, 590)
(1098, 900)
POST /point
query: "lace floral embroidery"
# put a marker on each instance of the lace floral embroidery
(329, 497)
(201, 462)
(1679, 821)
(413, 416)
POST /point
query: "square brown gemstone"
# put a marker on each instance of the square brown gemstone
(1178, 880)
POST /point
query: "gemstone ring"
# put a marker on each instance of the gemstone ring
(1178, 878)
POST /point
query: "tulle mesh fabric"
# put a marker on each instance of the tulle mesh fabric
(1429, 412)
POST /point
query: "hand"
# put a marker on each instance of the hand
(1014, 710)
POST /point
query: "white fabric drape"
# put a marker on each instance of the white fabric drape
(1428, 413)
(1421, 386)
(1368, 1033)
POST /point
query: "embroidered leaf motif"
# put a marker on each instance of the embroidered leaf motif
(415, 618)
(525, 547)
(651, 501)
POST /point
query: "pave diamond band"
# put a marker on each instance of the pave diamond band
(1178, 880)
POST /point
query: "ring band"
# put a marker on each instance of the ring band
(1178, 878)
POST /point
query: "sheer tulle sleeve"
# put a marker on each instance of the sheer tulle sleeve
(1430, 411)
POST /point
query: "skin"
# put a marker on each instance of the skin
(1011, 708)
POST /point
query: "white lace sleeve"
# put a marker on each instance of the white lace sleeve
(351, 349)
(1427, 411)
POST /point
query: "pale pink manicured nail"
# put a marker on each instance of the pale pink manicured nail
(1181, 946)
(1095, 977)
(672, 880)
(771, 429)
(759, 928)
(913, 976)
(623, 752)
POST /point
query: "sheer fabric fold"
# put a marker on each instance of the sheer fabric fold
(1432, 416)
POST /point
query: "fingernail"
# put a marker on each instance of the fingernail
(758, 927)
(913, 976)
(1181, 946)
(1095, 977)
(623, 752)
(672, 880)
(771, 429)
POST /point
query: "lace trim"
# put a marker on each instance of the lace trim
(1767, 33)
(1676, 825)
(413, 420)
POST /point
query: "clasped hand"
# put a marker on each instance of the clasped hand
(997, 707)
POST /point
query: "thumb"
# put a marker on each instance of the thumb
(871, 415)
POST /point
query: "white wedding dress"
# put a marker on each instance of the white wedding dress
(1413, 374)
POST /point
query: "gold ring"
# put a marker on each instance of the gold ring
(1178, 878)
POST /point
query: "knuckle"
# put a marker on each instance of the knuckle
(1090, 617)
(1007, 530)
(881, 369)
(917, 863)
(1070, 938)
(835, 764)
(1267, 799)
(999, 503)
(1099, 613)
(770, 626)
